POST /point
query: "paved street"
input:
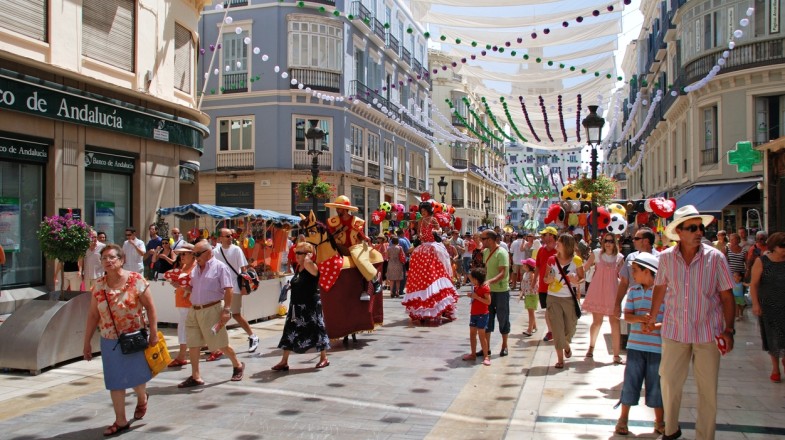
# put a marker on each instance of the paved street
(401, 382)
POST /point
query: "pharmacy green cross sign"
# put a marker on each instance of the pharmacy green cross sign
(744, 157)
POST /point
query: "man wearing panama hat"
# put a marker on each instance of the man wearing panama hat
(347, 230)
(695, 284)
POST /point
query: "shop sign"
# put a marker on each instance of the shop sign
(109, 162)
(50, 100)
(235, 195)
(15, 149)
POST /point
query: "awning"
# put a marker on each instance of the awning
(194, 210)
(713, 198)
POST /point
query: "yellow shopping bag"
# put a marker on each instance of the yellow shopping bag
(158, 355)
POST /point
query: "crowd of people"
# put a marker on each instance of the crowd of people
(681, 301)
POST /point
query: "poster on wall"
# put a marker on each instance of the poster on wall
(104, 218)
(10, 224)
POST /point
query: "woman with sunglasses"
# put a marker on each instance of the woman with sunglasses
(304, 326)
(601, 297)
(565, 270)
(767, 290)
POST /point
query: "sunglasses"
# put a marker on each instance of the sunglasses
(302, 253)
(199, 254)
(608, 241)
(693, 228)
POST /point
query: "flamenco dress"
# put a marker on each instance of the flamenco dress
(601, 296)
(431, 294)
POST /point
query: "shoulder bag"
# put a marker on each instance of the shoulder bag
(131, 342)
(242, 283)
(569, 286)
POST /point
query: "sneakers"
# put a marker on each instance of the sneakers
(548, 337)
(377, 287)
(253, 343)
(365, 297)
(214, 356)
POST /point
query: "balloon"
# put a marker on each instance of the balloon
(616, 208)
(414, 208)
(568, 192)
(603, 218)
(245, 243)
(642, 218)
(572, 219)
(451, 209)
(377, 217)
(585, 206)
(387, 215)
(385, 206)
(647, 205)
(413, 216)
(418, 216)
(554, 212)
(618, 224)
(399, 215)
(171, 241)
(443, 219)
(437, 207)
(251, 242)
(531, 224)
(583, 219)
(458, 223)
(385, 225)
(205, 233)
(663, 208)
(399, 207)
(575, 206)
(403, 224)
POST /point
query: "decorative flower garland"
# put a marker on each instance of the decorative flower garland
(528, 121)
(578, 119)
(510, 120)
(545, 118)
(561, 120)
(479, 121)
(493, 119)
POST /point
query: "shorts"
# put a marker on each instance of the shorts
(198, 328)
(479, 321)
(530, 302)
(543, 300)
(642, 367)
(516, 269)
(237, 303)
(740, 301)
(499, 309)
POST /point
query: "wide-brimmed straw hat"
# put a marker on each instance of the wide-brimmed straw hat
(342, 202)
(183, 248)
(683, 214)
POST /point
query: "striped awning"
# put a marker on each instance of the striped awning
(272, 215)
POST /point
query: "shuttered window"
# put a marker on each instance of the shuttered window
(108, 31)
(28, 17)
(183, 45)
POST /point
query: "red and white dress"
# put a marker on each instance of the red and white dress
(430, 293)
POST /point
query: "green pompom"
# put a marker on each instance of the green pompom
(512, 53)
(443, 37)
(427, 35)
(337, 13)
(474, 44)
(550, 63)
(526, 56)
(501, 50)
(409, 30)
(539, 60)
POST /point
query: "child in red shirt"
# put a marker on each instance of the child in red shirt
(481, 299)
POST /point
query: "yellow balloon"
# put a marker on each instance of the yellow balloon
(245, 243)
(617, 208)
(572, 220)
(205, 233)
(171, 241)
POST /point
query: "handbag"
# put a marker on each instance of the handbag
(575, 303)
(401, 256)
(157, 356)
(130, 342)
(242, 282)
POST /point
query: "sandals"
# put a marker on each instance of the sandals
(190, 382)
(567, 353)
(177, 363)
(280, 367)
(323, 363)
(659, 427)
(469, 357)
(141, 410)
(775, 377)
(214, 356)
(622, 428)
(590, 352)
(487, 361)
(116, 429)
(617, 360)
(559, 365)
(528, 333)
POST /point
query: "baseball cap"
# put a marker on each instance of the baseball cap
(550, 230)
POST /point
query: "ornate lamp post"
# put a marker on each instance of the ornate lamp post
(442, 184)
(487, 203)
(593, 124)
(314, 136)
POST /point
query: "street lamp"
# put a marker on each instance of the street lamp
(442, 187)
(314, 135)
(487, 203)
(509, 214)
(593, 125)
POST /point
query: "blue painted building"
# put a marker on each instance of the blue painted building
(354, 70)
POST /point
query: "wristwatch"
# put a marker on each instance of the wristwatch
(730, 330)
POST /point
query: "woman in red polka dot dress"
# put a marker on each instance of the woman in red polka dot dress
(430, 294)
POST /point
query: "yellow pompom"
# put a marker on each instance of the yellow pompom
(281, 309)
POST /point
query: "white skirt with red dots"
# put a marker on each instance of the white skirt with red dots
(430, 293)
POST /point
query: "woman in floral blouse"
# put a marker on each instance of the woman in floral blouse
(124, 294)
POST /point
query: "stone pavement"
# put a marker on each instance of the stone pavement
(401, 382)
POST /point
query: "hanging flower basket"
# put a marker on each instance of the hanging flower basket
(321, 190)
(602, 189)
(63, 238)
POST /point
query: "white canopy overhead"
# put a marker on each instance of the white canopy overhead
(524, 76)
(557, 37)
(457, 52)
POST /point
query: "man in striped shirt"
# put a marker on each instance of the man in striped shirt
(695, 283)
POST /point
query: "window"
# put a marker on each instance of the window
(108, 32)
(183, 50)
(698, 35)
(301, 126)
(28, 17)
(400, 165)
(316, 45)
(760, 18)
(389, 155)
(21, 196)
(373, 148)
(359, 65)
(235, 134)
(457, 193)
(707, 43)
(108, 203)
(710, 134)
(235, 61)
(357, 141)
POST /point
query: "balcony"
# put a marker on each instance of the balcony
(302, 160)
(457, 203)
(456, 121)
(417, 67)
(747, 56)
(316, 79)
(361, 12)
(460, 163)
(709, 157)
(392, 43)
(357, 166)
(234, 82)
(379, 30)
(412, 183)
(388, 176)
(235, 160)
(374, 171)
(420, 185)
(406, 56)
(236, 3)
(323, 2)
(366, 94)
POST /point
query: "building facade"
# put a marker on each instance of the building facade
(98, 116)
(694, 132)
(466, 191)
(354, 70)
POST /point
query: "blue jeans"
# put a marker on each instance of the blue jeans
(642, 367)
(467, 265)
(479, 321)
(499, 309)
